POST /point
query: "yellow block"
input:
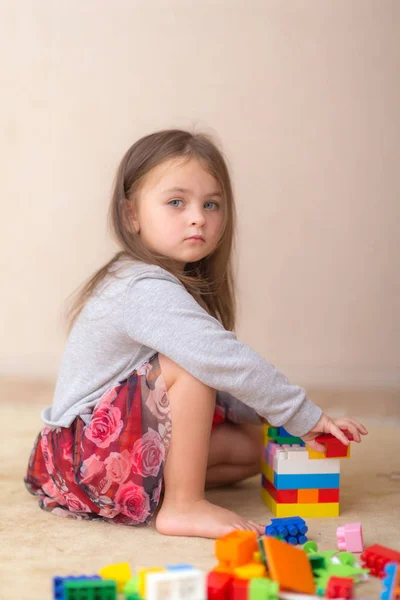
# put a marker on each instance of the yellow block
(142, 578)
(120, 572)
(250, 571)
(322, 509)
(267, 470)
(266, 438)
(313, 454)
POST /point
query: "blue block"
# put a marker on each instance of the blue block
(283, 433)
(58, 584)
(181, 567)
(309, 481)
(389, 581)
(292, 529)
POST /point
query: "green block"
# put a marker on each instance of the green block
(317, 562)
(94, 589)
(262, 589)
(283, 439)
(132, 586)
(262, 551)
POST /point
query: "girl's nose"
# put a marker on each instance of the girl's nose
(197, 218)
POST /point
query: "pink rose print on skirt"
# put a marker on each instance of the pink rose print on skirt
(118, 466)
(105, 426)
(148, 454)
(133, 501)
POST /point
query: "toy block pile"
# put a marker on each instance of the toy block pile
(249, 568)
(297, 480)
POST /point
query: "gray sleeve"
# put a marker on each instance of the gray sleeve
(161, 314)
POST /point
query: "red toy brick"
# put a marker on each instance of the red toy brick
(375, 558)
(219, 586)
(328, 495)
(281, 496)
(334, 448)
(339, 587)
(239, 590)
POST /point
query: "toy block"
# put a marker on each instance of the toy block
(284, 496)
(308, 496)
(120, 572)
(340, 587)
(350, 537)
(101, 589)
(320, 510)
(391, 582)
(235, 549)
(376, 557)
(334, 448)
(262, 589)
(292, 529)
(132, 587)
(312, 481)
(328, 495)
(294, 460)
(251, 570)
(239, 590)
(179, 567)
(143, 573)
(219, 586)
(289, 566)
(58, 583)
(190, 584)
(275, 435)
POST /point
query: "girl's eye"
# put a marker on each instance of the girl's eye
(215, 203)
(174, 200)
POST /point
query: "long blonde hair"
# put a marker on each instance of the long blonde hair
(211, 280)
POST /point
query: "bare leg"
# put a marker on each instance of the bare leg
(185, 511)
(235, 454)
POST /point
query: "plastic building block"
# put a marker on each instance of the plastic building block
(262, 589)
(292, 529)
(320, 510)
(143, 573)
(340, 587)
(120, 572)
(235, 549)
(308, 496)
(350, 537)
(219, 586)
(189, 584)
(327, 495)
(294, 460)
(334, 448)
(100, 589)
(132, 587)
(180, 567)
(58, 583)
(252, 570)
(239, 589)
(281, 436)
(284, 496)
(376, 557)
(391, 582)
(289, 566)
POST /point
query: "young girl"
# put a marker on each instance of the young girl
(154, 389)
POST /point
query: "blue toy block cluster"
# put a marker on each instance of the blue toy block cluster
(390, 581)
(291, 529)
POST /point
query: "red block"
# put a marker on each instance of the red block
(328, 495)
(240, 589)
(334, 448)
(281, 496)
(375, 558)
(219, 586)
(339, 587)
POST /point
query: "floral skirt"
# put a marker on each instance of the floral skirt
(112, 468)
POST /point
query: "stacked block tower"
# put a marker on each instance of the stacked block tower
(298, 481)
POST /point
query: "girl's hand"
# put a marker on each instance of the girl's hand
(334, 426)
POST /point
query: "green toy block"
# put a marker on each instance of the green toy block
(132, 586)
(92, 589)
(317, 562)
(262, 551)
(262, 589)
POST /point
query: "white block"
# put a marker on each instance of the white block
(185, 584)
(295, 461)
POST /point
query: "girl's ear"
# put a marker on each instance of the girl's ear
(131, 216)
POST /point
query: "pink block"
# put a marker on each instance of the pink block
(350, 537)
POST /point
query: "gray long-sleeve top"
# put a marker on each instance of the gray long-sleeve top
(143, 309)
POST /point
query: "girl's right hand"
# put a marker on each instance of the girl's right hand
(334, 426)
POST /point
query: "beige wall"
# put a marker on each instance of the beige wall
(304, 98)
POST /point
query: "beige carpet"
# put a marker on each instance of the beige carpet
(37, 545)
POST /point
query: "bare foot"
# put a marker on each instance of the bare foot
(201, 519)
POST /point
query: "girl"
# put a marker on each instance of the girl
(154, 388)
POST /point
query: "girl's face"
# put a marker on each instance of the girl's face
(179, 199)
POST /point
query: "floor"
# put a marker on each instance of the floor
(37, 545)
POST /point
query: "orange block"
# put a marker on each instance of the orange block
(289, 566)
(235, 549)
(307, 496)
